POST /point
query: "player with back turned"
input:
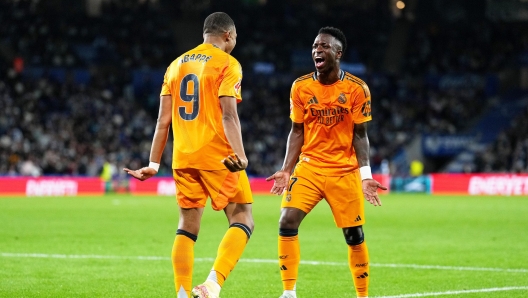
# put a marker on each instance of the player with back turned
(199, 96)
(328, 152)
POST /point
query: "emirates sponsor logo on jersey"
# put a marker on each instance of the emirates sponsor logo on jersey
(329, 116)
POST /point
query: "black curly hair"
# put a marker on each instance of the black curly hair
(338, 34)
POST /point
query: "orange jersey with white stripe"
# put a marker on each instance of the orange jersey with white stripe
(329, 113)
(196, 80)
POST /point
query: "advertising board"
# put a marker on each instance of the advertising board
(480, 184)
(50, 186)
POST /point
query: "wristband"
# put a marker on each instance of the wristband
(154, 165)
(365, 173)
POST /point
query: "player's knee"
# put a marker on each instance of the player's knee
(243, 217)
(191, 236)
(288, 223)
(243, 227)
(291, 219)
(354, 235)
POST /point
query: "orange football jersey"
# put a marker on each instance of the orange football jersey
(329, 113)
(196, 80)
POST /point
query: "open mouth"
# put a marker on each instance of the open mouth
(319, 61)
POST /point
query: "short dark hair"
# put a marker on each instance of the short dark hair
(218, 23)
(338, 34)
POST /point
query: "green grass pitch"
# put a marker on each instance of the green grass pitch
(119, 246)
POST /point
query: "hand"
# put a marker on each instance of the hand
(141, 174)
(282, 179)
(370, 190)
(235, 163)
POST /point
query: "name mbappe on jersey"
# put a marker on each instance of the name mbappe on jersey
(195, 57)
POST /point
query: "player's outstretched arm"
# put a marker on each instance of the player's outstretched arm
(293, 149)
(233, 132)
(159, 140)
(361, 146)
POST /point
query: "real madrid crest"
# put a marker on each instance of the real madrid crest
(342, 99)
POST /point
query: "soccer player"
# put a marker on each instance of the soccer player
(199, 96)
(328, 151)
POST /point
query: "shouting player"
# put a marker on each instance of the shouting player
(328, 151)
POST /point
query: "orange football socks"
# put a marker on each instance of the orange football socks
(289, 259)
(358, 261)
(182, 261)
(229, 251)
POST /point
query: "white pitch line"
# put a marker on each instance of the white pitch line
(455, 292)
(454, 268)
(156, 258)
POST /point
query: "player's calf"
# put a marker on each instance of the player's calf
(358, 259)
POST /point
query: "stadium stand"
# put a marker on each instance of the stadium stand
(75, 95)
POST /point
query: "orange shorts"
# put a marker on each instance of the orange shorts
(194, 186)
(344, 194)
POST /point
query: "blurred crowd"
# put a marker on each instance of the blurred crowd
(56, 127)
(49, 128)
(509, 153)
(124, 35)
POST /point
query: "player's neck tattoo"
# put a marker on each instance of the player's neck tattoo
(215, 46)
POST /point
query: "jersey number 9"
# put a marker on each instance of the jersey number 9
(194, 97)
